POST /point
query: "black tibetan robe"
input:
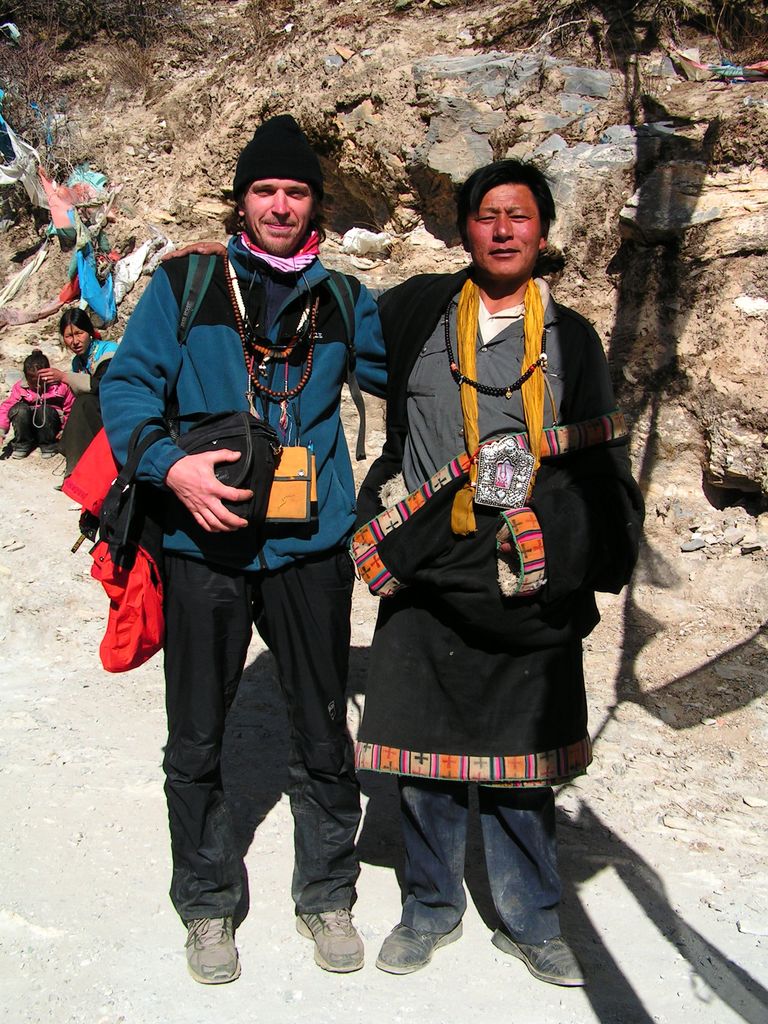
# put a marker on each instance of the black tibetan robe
(465, 683)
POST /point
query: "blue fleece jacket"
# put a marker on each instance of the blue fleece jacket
(208, 374)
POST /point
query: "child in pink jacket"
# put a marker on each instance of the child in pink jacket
(37, 411)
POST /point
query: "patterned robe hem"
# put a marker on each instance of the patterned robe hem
(549, 768)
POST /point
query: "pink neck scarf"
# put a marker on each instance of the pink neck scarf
(300, 260)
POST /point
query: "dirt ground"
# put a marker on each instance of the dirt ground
(663, 848)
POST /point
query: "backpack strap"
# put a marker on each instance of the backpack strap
(341, 289)
(199, 273)
(118, 519)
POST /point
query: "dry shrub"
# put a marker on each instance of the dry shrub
(27, 74)
(33, 104)
(73, 21)
(265, 17)
(131, 66)
(741, 30)
(625, 27)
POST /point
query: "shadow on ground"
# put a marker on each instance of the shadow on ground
(255, 769)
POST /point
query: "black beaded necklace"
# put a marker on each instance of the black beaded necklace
(487, 389)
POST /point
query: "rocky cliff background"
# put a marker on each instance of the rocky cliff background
(660, 180)
(657, 164)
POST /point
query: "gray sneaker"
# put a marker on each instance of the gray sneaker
(211, 954)
(338, 947)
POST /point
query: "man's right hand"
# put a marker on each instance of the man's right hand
(210, 248)
(194, 482)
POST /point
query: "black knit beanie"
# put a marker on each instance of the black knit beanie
(278, 149)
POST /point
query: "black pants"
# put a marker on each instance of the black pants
(33, 426)
(302, 612)
(82, 426)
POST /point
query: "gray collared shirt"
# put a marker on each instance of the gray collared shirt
(435, 424)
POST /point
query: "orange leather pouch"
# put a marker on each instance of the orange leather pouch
(293, 497)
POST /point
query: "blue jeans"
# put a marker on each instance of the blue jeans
(518, 828)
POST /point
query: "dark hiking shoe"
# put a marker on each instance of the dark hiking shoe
(47, 451)
(552, 961)
(405, 950)
(20, 451)
(211, 954)
(338, 947)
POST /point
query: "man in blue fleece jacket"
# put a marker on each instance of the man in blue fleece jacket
(272, 336)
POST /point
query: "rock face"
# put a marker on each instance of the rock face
(662, 195)
(677, 197)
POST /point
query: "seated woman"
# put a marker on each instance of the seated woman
(91, 359)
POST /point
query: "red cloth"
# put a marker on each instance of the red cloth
(91, 478)
(70, 291)
(135, 625)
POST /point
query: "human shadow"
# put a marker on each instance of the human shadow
(380, 842)
(255, 769)
(725, 683)
(254, 760)
(651, 275)
(654, 269)
(582, 854)
(587, 847)
(255, 752)
(256, 749)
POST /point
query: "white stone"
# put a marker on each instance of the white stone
(753, 926)
(680, 824)
(751, 306)
(420, 236)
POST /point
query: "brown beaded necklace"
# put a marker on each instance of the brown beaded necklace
(251, 347)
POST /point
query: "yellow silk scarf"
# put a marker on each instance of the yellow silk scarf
(463, 513)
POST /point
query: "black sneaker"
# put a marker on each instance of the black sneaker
(552, 961)
(405, 950)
